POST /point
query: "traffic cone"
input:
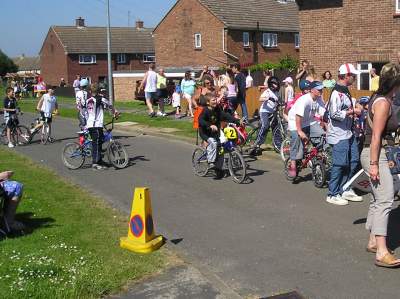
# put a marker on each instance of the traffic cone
(141, 233)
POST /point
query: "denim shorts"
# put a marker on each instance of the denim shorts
(151, 96)
(296, 144)
(12, 188)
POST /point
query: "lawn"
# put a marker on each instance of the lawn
(72, 247)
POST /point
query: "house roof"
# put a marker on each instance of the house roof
(81, 40)
(273, 15)
(27, 63)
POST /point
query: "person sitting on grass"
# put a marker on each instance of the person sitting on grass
(47, 105)
(12, 192)
(210, 126)
(95, 111)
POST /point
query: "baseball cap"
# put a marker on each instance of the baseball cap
(348, 68)
(288, 80)
(304, 85)
(316, 85)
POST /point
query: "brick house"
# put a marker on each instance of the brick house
(213, 32)
(71, 50)
(362, 32)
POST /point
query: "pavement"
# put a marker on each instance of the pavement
(253, 240)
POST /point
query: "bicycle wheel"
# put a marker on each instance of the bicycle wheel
(319, 174)
(117, 155)
(285, 149)
(73, 156)
(199, 161)
(277, 138)
(45, 133)
(237, 167)
(168, 101)
(22, 135)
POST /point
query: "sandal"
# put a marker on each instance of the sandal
(373, 250)
(387, 261)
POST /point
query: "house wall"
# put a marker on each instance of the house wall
(256, 53)
(174, 37)
(348, 31)
(53, 62)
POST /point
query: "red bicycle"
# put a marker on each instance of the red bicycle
(317, 158)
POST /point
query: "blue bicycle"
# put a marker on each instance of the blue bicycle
(74, 154)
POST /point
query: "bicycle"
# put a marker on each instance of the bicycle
(19, 134)
(44, 130)
(233, 159)
(74, 154)
(278, 128)
(317, 158)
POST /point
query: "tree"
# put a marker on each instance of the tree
(6, 64)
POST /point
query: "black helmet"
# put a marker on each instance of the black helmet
(273, 83)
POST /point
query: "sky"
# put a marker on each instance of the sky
(24, 23)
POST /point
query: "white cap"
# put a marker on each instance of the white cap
(288, 80)
(348, 68)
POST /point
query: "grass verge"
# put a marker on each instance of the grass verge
(72, 247)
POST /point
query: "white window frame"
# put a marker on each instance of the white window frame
(121, 58)
(148, 58)
(246, 39)
(297, 40)
(398, 6)
(363, 72)
(82, 59)
(197, 40)
(270, 40)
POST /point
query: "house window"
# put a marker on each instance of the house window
(270, 40)
(397, 6)
(297, 41)
(246, 39)
(149, 58)
(121, 58)
(87, 59)
(363, 78)
(197, 40)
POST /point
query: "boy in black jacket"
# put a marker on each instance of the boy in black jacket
(210, 126)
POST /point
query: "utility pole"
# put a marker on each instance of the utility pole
(110, 79)
(129, 18)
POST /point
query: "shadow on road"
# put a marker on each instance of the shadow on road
(137, 158)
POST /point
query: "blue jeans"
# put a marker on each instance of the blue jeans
(263, 131)
(235, 103)
(345, 160)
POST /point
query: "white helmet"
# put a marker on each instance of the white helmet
(84, 82)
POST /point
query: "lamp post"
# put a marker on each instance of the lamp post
(110, 79)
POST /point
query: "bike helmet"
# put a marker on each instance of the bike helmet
(84, 82)
(304, 85)
(363, 100)
(273, 83)
(178, 89)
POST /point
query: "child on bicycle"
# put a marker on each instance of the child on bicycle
(81, 99)
(210, 125)
(10, 113)
(95, 120)
(301, 115)
(269, 103)
(47, 105)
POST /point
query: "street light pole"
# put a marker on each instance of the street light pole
(110, 79)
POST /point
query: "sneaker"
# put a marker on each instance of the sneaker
(10, 145)
(17, 226)
(159, 113)
(337, 200)
(98, 167)
(292, 172)
(152, 114)
(211, 166)
(164, 114)
(350, 195)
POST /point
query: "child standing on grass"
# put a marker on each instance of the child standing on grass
(176, 101)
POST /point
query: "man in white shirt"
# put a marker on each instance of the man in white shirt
(81, 98)
(303, 112)
(149, 84)
(47, 105)
(76, 84)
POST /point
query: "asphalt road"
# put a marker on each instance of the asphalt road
(261, 238)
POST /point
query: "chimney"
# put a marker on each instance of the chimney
(79, 22)
(139, 24)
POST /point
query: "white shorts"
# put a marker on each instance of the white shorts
(187, 96)
(176, 103)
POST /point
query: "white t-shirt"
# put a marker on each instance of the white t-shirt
(48, 105)
(249, 81)
(151, 82)
(307, 108)
(270, 101)
(81, 98)
(95, 116)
